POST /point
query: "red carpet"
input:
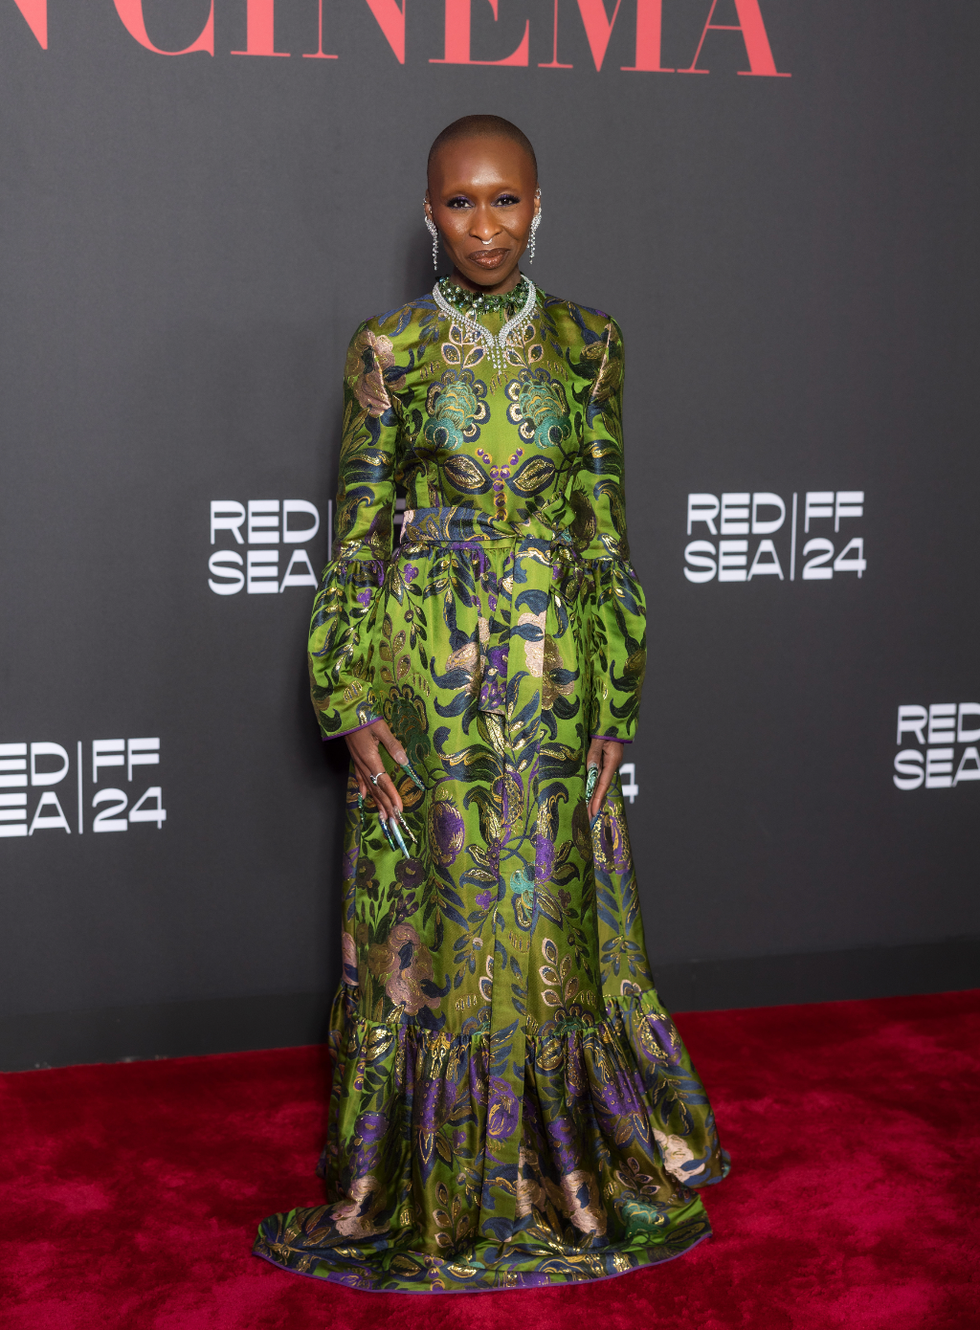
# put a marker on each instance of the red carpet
(131, 1192)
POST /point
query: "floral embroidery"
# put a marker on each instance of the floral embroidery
(539, 408)
(456, 407)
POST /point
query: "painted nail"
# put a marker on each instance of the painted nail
(408, 830)
(407, 766)
(591, 780)
(387, 833)
(396, 832)
(360, 799)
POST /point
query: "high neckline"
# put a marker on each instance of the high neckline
(474, 304)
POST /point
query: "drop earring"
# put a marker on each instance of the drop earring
(533, 236)
(434, 233)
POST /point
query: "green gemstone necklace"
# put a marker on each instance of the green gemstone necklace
(473, 302)
(464, 308)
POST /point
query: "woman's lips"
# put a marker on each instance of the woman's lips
(488, 258)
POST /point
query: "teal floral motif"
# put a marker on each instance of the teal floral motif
(521, 884)
(539, 408)
(511, 1105)
(456, 407)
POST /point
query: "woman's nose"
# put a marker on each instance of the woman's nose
(484, 225)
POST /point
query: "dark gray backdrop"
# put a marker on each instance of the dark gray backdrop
(187, 244)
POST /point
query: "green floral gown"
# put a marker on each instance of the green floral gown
(511, 1105)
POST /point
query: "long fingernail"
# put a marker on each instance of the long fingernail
(407, 766)
(360, 799)
(408, 830)
(591, 780)
(387, 833)
(396, 832)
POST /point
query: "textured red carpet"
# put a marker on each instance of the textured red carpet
(131, 1192)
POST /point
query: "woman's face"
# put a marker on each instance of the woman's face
(483, 195)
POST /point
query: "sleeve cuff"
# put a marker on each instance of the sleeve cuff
(340, 735)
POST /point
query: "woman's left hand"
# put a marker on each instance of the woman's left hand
(606, 754)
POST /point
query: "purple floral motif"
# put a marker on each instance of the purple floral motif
(410, 572)
(365, 877)
(664, 1031)
(446, 831)
(544, 857)
(497, 658)
(372, 1127)
(563, 1139)
(409, 873)
(502, 1110)
(484, 899)
(363, 598)
(617, 1098)
(617, 846)
(493, 691)
(425, 1117)
(493, 695)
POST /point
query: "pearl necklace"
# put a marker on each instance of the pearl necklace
(495, 343)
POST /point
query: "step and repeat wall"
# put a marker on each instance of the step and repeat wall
(201, 199)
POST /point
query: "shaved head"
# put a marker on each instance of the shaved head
(483, 127)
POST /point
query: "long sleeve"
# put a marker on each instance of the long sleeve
(343, 631)
(617, 609)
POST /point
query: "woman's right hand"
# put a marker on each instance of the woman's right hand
(365, 750)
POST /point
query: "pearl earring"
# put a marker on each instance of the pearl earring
(533, 236)
(434, 233)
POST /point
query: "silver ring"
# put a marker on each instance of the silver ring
(375, 779)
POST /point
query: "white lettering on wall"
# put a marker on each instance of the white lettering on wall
(947, 734)
(755, 518)
(26, 766)
(256, 526)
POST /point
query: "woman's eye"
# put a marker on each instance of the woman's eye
(507, 200)
(458, 203)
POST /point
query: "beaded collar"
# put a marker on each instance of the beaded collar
(495, 344)
(472, 303)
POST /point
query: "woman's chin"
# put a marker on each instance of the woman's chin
(489, 277)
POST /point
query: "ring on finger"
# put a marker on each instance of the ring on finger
(375, 779)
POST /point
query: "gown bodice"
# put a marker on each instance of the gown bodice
(529, 452)
(458, 432)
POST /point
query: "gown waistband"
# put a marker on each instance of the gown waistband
(458, 526)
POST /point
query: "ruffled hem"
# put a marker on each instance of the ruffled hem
(636, 1061)
(615, 1132)
(484, 1267)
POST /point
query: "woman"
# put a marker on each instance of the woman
(511, 1104)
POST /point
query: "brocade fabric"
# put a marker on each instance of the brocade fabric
(511, 1105)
